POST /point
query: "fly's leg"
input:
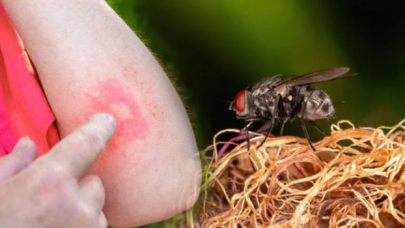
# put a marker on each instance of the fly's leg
(268, 132)
(317, 127)
(265, 127)
(303, 126)
(282, 126)
(248, 124)
(246, 128)
(272, 121)
(284, 114)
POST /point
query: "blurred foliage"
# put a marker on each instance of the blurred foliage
(213, 49)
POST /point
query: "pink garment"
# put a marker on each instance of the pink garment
(24, 110)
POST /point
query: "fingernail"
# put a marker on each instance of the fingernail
(24, 142)
(110, 118)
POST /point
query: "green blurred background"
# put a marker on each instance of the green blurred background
(213, 49)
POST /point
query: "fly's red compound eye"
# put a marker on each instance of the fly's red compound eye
(240, 101)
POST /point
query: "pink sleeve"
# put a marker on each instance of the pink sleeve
(24, 109)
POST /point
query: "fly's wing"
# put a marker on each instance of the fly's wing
(330, 74)
(269, 82)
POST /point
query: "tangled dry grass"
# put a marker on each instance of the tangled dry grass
(355, 178)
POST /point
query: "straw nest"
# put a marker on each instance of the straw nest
(355, 178)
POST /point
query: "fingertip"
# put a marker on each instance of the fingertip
(110, 118)
(105, 118)
(23, 154)
(102, 220)
(25, 147)
(22, 143)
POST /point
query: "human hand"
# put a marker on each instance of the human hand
(49, 192)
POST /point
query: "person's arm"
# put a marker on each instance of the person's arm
(88, 61)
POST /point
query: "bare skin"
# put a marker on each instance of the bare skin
(88, 61)
(49, 192)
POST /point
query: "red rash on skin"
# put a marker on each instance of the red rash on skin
(112, 97)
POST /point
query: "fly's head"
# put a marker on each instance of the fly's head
(243, 105)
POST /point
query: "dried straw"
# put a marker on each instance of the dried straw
(355, 178)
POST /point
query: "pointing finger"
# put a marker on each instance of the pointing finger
(79, 150)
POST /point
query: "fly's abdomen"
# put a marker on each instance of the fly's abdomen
(316, 104)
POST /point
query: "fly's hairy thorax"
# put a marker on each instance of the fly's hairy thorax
(263, 96)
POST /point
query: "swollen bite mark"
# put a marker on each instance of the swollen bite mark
(113, 97)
